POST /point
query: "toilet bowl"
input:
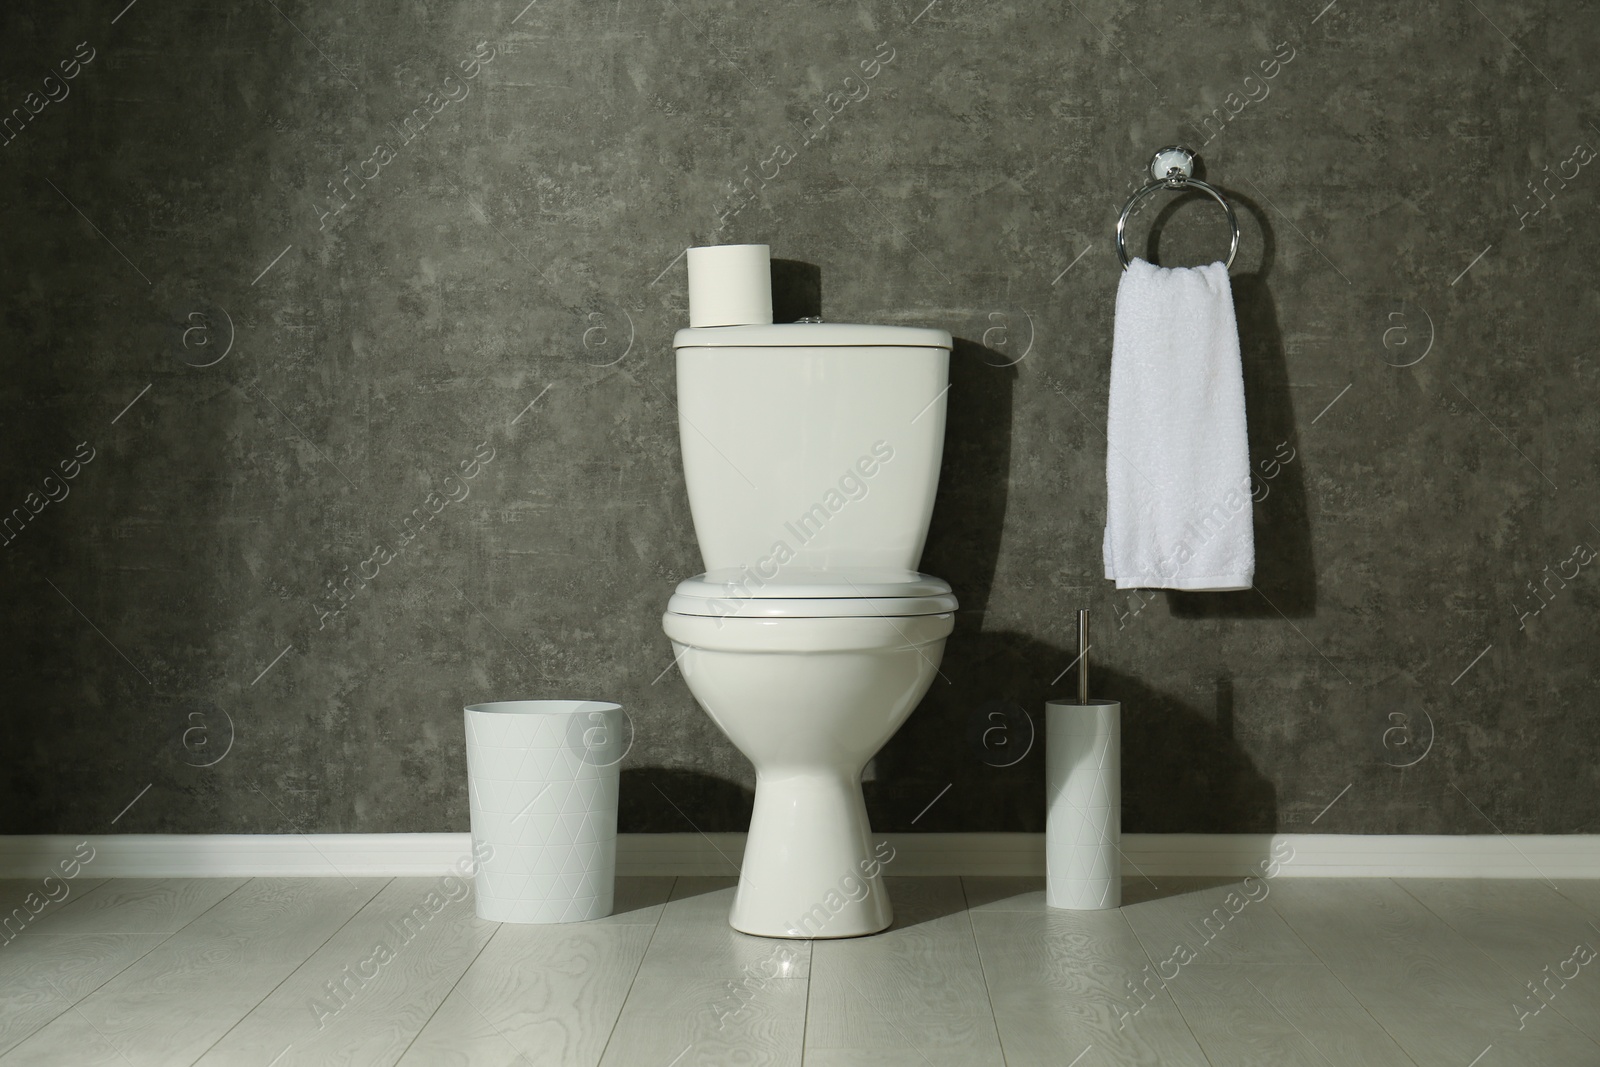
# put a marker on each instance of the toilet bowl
(809, 686)
(811, 456)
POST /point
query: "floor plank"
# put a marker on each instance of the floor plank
(21, 915)
(639, 900)
(1442, 1000)
(537, 994)
(1279, 1015)
(975, 971)
(1064, 984)
(917, 986)
(707, 991)
(1069, 983)
(545, 994)
(882, 1057)
(44, 974)
(1219, 924)
(141, 905)
(1536, 934)
(1584, 893)
(684, 1021)
(367, 992)
(693, 938)
(181, 997)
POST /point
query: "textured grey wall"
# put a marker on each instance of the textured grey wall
(277, 271)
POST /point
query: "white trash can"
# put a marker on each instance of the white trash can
(542, 784)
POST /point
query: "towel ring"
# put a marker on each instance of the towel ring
(1173, 168)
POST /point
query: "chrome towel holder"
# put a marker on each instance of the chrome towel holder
(1172, 167)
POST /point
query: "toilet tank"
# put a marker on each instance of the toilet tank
(811, 445)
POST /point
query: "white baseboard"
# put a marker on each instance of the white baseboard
(391, 855)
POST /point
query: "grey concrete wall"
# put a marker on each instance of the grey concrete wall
(270, 307)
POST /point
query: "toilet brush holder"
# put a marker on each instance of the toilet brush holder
(1083, 779)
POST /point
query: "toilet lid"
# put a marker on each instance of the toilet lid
(794, 593)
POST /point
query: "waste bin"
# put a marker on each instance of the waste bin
(542, 785)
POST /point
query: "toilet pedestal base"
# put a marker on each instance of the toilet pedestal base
(810, 869)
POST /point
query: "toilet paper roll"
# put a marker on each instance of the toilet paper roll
(1083, 823)
(730, 285)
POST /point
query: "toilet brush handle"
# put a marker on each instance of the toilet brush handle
(1083, 655)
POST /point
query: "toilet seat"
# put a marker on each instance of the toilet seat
(813, 594)
(874, 636)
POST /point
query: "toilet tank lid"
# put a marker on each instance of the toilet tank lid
(794, 583)
(811, 335)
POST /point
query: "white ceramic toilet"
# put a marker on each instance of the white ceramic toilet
(811, 453)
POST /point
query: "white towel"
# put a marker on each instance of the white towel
(1178, 507)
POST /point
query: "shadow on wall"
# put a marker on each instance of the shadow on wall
(107, 614)
(1286, 578)
(667, 800)
(796, 290)
(969, 510)
(1182, 770)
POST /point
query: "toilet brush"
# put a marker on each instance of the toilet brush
(1083, 782)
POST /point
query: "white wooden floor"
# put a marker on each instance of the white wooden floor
(976, 971)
